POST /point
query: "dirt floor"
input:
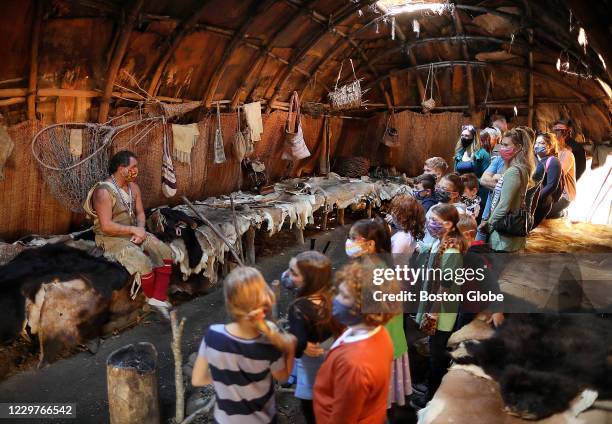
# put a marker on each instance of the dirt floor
(81, 378)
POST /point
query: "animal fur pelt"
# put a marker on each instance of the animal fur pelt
(542, 362)
(23, 276)
(170, 224)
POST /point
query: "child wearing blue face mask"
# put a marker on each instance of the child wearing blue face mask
(310, 320)
(424, 191)
(353, 383)
(370, 240)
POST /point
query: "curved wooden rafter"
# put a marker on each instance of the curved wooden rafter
(542, 75)
(266, 50)
(256, 8)
(117, 58)
(171, 43)
(297, 57)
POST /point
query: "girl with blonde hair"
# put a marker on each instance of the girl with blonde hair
(241, 358)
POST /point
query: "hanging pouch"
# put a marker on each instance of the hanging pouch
(295, 146)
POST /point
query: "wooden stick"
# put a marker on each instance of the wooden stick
(177, 333)
(215, 230)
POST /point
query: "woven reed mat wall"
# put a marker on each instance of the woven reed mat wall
(27, 206)
(26, 203)
(423, 136)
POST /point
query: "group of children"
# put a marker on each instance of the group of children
(352, 365)
(352, 360)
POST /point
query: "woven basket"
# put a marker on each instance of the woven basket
(352, 166)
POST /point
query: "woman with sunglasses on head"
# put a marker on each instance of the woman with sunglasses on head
(511, 189)
(470, 155)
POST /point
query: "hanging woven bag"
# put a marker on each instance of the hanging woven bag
(295, 146)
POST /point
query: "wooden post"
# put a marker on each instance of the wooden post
(299, 234)
(35, 42)
(131, 376)
(250, 246)
(340, 216)
(369, 210)
(118, 55)
(468, 70)
(324, 220)
(177, 334)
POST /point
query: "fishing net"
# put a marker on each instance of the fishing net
(74, 156)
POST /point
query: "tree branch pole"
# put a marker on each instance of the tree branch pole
(177, 334)
(215, 230)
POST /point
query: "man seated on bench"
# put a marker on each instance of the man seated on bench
(115, 205)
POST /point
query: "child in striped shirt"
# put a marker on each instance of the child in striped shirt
(241, 358)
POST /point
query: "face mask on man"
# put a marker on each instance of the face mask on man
(352, 248)
(345, 314)
(131, 175)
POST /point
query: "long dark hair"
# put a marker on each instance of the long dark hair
(376, 230)
(316, 270)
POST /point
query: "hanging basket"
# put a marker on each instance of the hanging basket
(352, 166)
(349, 95)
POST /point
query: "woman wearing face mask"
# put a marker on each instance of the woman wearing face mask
(470, 155)
(511, 188)
(549, 172)
(446, 253)
(310, 320)
(370, 241)
(353, 383)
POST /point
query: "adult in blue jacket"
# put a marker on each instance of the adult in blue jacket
(470, 156)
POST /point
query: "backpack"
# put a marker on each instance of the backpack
(556, 195)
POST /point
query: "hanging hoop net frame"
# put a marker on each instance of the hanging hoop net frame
(68, 176)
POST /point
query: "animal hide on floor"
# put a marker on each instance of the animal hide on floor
(61, 293)
(543, 362)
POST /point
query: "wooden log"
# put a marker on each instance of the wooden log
(299, 234)
(131, 377)
(250, 246)
(340, 216)
(531, 88)
(468, 70)
(34, 43)
(369, 210)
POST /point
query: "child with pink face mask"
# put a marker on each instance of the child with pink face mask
(367, 238)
